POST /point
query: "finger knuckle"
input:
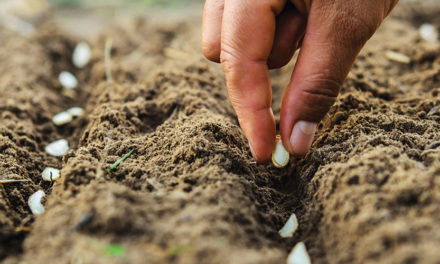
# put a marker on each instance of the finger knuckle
(354, 28)
(320, 90)
(228, 59)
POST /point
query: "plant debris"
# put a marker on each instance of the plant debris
(119, 161)
(12, 181)
(397, 57)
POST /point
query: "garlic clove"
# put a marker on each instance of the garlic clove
(57, 148)
(68, 80)
(429, 33)
(81, 55)
(34, 202)
(290, 227)
(50, 174)
(75, 111)
(280, 156)
(299, 255)
(62, 118)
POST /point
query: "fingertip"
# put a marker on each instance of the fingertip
(260, 131)
(211, 29)
(211, 50)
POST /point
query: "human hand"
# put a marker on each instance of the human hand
(249, 37)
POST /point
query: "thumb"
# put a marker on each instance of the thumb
(332, 41)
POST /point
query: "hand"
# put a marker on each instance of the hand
(249, 37)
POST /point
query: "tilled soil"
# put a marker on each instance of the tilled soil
(368, 191)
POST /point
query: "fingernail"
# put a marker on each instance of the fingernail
(302, 137)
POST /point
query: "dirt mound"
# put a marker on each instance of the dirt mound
(189, 193)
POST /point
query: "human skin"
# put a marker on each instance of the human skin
(250, 37)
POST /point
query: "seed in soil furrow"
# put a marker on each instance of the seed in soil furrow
(68, 80)
(299, 255)
(62, 118)
(81, 55)
(57, 148)
(50, 174)
(75, 111)
(290, 227)
(34, 202)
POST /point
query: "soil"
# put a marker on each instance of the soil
(368, 191)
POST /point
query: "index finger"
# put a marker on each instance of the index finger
(248, 30)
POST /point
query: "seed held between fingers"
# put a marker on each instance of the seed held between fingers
(280, 156)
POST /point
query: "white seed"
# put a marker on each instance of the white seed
(81, 55)
(50, 174)
(34, 202)
(299, 255)
(57, 148)
(68, 80)
(75, 111)
(397, 57)
(62, 118)
(290, 227)
(428, 33)
(280, 157)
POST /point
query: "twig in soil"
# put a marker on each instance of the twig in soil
(119, 161)
(107, 139)
(16, 24)
(12, 181)
(108, 60)
(176, 54)
(23, 229)
(83, 220)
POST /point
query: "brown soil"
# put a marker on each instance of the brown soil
(368, 192)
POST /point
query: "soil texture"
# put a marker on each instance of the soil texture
(367, 192)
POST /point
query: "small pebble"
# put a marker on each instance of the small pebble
(280, 157)
(50, 174)
(397, 57)
(34, 203)
(299, 255)
(62, 118)
(290, 227)
(428, 33)
(68, 80)
(75, 111)
(81, 55)
(57, 148)
(433, 111)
